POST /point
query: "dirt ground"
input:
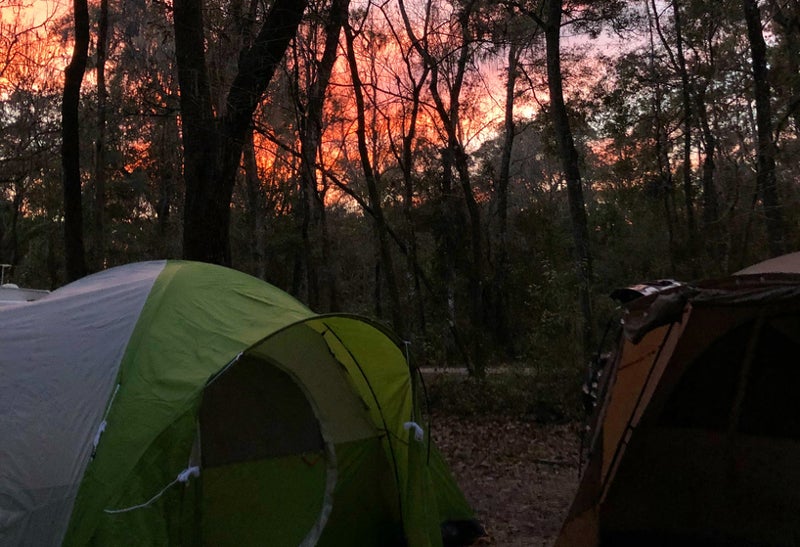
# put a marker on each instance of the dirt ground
(518, 475)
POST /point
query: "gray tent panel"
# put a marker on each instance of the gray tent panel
(53, 394)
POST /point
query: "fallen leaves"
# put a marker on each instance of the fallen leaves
(519, 476)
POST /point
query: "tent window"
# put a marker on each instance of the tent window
(704, 396)
(253, 411)
(772, 403)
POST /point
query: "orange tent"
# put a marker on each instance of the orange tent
(697, 426)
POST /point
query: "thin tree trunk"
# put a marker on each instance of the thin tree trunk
(100, 142)
(789, 23)
(4, 244)
(570, 164)
(386, 263)
(454, 157)
(473, 210)
(70, 145)
(451, 218)
(686, 98)
(328, 274)
(166, 182)
(766, 177)
(312, 208)
(406, 161)
(500, 299)
(9, 245)
(665, 183)
(710, 196)
(255, 209)
(306, 276)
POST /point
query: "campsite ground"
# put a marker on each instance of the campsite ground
(518, 469)
(518, 475)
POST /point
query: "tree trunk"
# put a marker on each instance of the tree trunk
(454, 157)
(473, 210)
(386, 265)
(451, 218)
(204, 233)
(406, 161)
(327, 273)
(766, 177)
(70, 145)
(570, 164)
(99, 250)
(710, 195)
(662, 144)
(168, 140)
(9, 241)
(789, 23)
(500, 300)
(255, 210)
(213, 146)
(312, 206)
(686, 98)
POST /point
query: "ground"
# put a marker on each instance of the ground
(519, 475)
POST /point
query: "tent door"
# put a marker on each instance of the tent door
(263, 458)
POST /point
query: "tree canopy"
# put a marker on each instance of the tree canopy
(480, 175)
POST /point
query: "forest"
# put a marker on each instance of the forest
(479, 175)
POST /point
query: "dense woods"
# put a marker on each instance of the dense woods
(477, 174)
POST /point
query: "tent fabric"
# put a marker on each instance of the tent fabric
(185, 334)
(696, 437)
(11, 294)
(301, 349)
(135, 367)
(788, 263)
(54, 385)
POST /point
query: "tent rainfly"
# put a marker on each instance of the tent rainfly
(179, 403)
(697, 423)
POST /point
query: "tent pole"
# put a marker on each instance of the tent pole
(629, 427)
(744, 375)
(380, 411)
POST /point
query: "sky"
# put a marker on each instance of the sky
(489, 101)
(38, 10)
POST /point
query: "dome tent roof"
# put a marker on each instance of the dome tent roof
(102, 384)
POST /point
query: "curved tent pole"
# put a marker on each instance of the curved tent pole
(380, 411)
(377, 326)
(744, 373)
(331, 472)
(427, 407)
(623, 442)
(415, 397)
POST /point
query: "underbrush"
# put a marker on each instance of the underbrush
(545, 396)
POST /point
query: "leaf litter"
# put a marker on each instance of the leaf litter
(519, 475)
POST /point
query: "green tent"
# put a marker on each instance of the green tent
(179, 403)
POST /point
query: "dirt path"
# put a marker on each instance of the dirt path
(519, 476)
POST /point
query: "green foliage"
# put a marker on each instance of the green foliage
(545, 394)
